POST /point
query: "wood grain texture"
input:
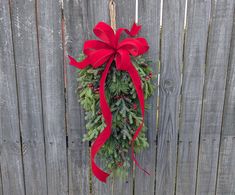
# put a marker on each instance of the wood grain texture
(123, 185)
(170, 81)
(125, 17)
(198, 15)
(125, 13)
(49, 23)
(97, 10)
(76, 32)
(29, 91)
(226, 171)
(1, 187)
(11, 173)
(149, 18)
(214, 90)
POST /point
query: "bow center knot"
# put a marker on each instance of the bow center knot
(115, 50)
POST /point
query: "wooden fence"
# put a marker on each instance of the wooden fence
(192, 149)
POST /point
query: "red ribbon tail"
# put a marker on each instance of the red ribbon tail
(105, 134)
(80, 65)
(97, 144)
(134, 30)
(137, 84)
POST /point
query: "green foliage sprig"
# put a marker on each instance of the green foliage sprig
(123, 101)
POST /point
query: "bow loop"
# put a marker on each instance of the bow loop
(135, 46)
(99, 57)
(92, 45)
(133, 32)
(105, 33)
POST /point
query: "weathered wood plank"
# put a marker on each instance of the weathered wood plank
(149, 18)
(99, 188)
(198, 15)
(171, 60)
(76, 32)
(226, 171)
(98, 11)
(214, 90)
(10, 147)
(123, 185)
(29, 91)
(49, 16)
(1, 188)
(125, 15)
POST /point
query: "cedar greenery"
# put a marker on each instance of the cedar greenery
(124, 105)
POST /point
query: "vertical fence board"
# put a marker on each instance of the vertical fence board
(30, 107)
(171, 60)
(49, 15)
(1, 189)
(214, 90)
(125, 13)
(98, 11)
(192, 92)
(76, 22)
(124, 18)
(226, 171)
(149, 17)
(10, 147)
(123, 185)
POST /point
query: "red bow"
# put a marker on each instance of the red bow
(105, 51)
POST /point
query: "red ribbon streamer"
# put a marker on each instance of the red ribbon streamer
(105, 50)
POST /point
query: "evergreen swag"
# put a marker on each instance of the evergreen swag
(124, 105)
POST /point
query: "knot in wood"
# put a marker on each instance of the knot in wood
(168, 86)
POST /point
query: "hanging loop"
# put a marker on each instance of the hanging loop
(112, 11)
